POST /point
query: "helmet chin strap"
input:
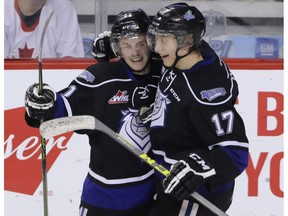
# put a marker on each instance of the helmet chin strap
(191, 49)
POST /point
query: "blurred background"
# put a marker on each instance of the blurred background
(235, 28)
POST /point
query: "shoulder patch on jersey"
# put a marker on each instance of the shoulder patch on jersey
(89, 77)
(211, 94)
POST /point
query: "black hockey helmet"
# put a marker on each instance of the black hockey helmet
(178, 19)
(128, 24)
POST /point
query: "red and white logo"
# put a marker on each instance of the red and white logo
(22, 153)
(119, 98)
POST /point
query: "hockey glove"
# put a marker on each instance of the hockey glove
(101, 49)
(40, 106)
(187, 175)
(145, 114)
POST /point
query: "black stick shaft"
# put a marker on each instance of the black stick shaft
(43, 143)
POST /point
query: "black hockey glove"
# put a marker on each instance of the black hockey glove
(40, 107)
(187, 175)
(101, 49)
(145, 114)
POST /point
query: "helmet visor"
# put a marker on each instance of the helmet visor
(155, 35)
(115, 41)
(127, 43)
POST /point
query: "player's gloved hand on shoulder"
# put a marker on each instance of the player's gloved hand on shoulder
(40, 106)
(187, 175)
(145, 114)
(101, 48)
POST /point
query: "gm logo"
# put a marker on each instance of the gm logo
(266, 48)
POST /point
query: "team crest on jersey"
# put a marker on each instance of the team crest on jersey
(142, 92)
(119, 98)
(211, 94)
(134, 131)
(160, 109)
(87, 76)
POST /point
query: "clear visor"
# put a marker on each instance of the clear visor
(155, 35)
(116, 45)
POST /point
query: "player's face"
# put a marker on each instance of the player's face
(135, 52)
(166, 46)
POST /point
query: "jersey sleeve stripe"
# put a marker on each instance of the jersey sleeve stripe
(102, 83)
(229, 143)
(120, 181)
(166, 159)
(208, 103)
(67, 106)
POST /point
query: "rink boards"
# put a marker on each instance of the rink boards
(259, 190)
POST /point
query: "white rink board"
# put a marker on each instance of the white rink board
(67, 173)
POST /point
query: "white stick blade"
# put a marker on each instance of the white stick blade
(59, 126)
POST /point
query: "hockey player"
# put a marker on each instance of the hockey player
(195, 128)
(24, 24)
(118, 183)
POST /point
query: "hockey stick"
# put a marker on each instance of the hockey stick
(43, 145)
(85, 122)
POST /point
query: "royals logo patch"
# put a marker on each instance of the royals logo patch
(211, 94)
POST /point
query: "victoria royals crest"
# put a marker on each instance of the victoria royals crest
(134, 131)
(141, 94)
(160, 109)
(211, 94)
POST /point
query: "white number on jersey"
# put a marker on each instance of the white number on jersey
(225, 116)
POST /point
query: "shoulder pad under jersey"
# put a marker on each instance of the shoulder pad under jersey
(213, 85)
(99, 73)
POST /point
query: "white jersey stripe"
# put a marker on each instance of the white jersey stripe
(194, 209)
(67, 105)
(166, 159)
(230, 143)
(223, 144)
(102, 83)
(186, 210)
(209, 103)
(183, 208)
(120, 181)
(83, 211)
